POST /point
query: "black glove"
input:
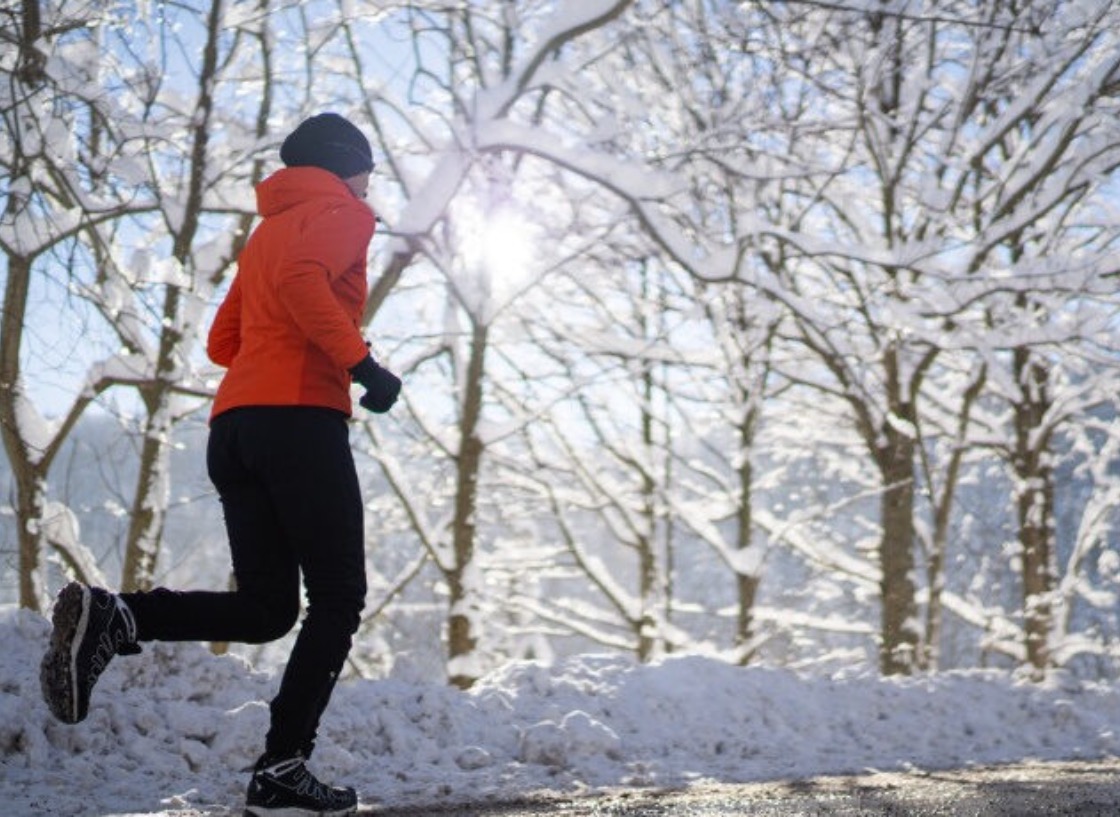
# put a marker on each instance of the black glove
(381, 385)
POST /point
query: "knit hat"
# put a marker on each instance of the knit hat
(331, 142)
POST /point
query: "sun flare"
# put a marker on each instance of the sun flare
(508, 247)
(501, 247)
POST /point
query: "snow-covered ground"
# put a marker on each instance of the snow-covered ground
(172, 729)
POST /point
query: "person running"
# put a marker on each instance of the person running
(279, 456)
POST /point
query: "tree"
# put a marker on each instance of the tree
(101, 182)
(601, 458)
(52, 131)
(904, 177)
(193, 177)
(1040, 166)
(484, 76)
(959, 178)
(819, 281)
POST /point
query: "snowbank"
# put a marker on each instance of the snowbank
(174, 728)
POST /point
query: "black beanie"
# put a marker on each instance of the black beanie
(331, 142)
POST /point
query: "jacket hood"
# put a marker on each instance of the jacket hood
(293, 186)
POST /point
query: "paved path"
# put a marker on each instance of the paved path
(1023, 790)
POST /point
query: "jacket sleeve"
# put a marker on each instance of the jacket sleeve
(330, 244)
(224, 340)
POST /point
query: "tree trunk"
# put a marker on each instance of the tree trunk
(32, 63)
(1035, 506)
(935, 562)
(462, 635)
(649, 633)
(30, 504)
(29, 480)
(149, 503)
(746, 583)
(894, 455)
(898, 649)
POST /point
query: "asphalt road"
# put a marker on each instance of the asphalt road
(1076, 789)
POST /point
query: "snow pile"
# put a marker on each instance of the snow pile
(174, 728)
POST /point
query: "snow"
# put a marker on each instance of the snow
(170, 732)
(35, 431)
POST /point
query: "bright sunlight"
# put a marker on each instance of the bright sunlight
(499, 249)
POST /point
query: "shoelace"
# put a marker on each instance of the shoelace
(302, 781)
(113, 640)
(306, 784)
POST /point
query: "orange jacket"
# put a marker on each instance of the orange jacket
(288, 327)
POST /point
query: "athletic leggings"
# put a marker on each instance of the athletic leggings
(286, 479)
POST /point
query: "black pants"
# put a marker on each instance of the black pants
(288, 486)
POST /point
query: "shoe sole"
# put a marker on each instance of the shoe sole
(58, 674)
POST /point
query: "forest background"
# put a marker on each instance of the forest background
(778, 331)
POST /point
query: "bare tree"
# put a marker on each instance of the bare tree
(483, 73)
(45, 218)
(904, 198)
(80, 160)
(189, 210)
(606, 485)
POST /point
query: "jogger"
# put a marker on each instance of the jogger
(279, 456)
